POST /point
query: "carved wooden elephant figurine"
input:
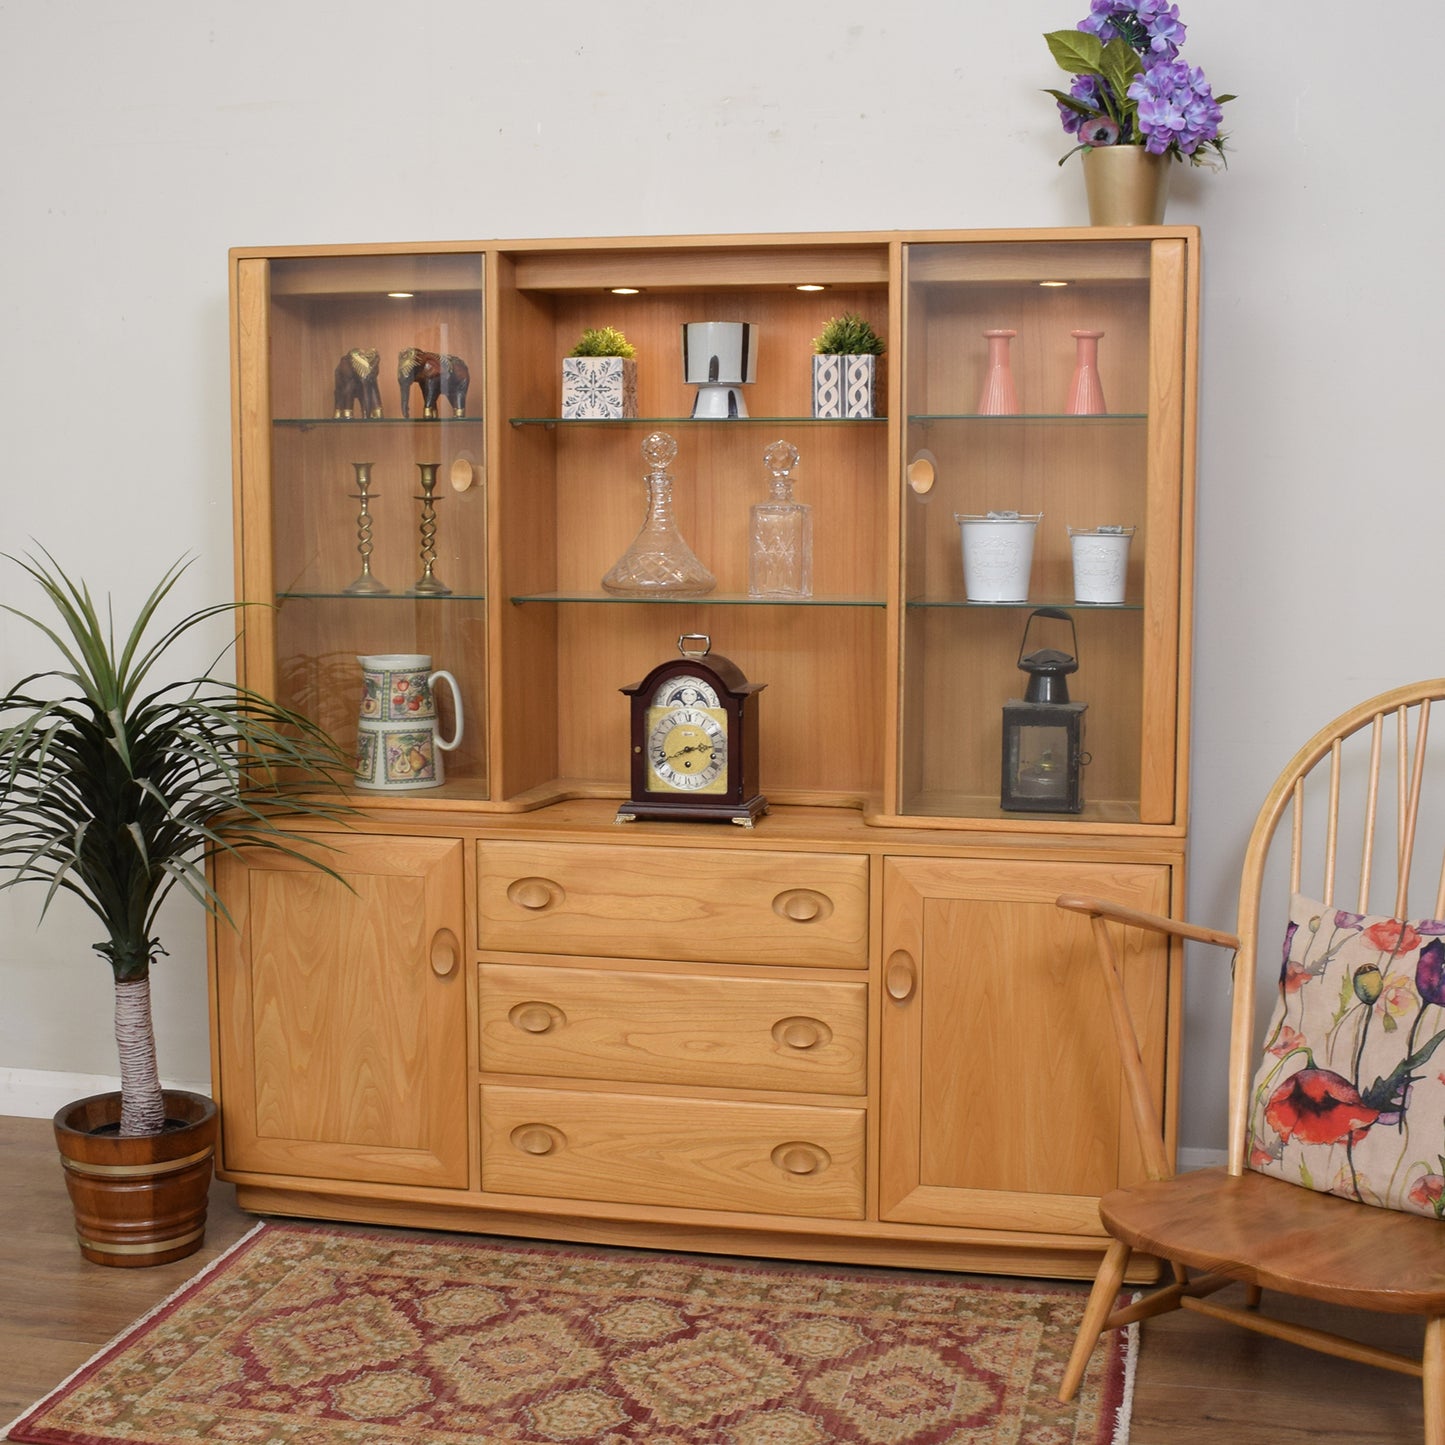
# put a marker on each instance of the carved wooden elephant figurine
(358, 383)
(437, 375)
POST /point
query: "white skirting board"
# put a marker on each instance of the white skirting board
(1200, 1159)
(40, 1093)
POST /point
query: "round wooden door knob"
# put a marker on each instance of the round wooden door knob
(446, 953)
(900, 977)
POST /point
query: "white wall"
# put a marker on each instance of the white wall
(143, 140)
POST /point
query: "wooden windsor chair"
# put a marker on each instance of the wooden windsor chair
(1219, 1226)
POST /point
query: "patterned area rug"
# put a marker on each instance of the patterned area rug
(322, 1335)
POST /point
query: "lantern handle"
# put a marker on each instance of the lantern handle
(1058, 614)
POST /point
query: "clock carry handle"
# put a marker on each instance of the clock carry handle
(446, 747)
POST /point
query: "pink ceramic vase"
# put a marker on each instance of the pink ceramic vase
(1086, 393)
(998, 397)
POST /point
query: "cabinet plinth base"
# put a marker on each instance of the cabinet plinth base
(885, 1247)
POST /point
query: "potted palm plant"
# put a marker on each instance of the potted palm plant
(115, 786)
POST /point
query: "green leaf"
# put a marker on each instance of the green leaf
(1074, 104)
(1119, 65)
(1076, 51)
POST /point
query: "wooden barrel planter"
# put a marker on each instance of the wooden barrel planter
(138, 1201)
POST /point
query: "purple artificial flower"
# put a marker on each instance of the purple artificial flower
(1166, 30)
(1149, 26)
(1177, 109)
(1086, 90)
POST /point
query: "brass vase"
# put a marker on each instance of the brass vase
(1126, 185)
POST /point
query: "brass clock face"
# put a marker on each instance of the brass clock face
(686, 748)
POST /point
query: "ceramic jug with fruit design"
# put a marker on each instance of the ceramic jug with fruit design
(398, 744)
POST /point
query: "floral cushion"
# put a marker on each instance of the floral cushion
(1349, 1097)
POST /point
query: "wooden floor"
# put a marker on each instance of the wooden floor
(1199, 1383)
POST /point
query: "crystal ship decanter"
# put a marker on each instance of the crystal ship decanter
(780, 556)
(659, 562)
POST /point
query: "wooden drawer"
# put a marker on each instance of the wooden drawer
(693, 1153)
(670, 1028)
(693, 904)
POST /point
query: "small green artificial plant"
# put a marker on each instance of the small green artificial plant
(115, 787)
(848, 335)
(603, 341)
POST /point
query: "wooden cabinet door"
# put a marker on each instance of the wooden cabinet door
(340, 1013)
(1003, 1104)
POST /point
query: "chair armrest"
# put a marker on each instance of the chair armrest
(1155, 922)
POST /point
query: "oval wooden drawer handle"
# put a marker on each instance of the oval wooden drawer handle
(537, 1139)
(534, 894)
(802, 905)
(900, 977)
(801, 1033)
(536, 1017)
(801, 1159)
(446, 953)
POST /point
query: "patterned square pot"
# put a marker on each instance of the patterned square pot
(845, 386)
(599, 388)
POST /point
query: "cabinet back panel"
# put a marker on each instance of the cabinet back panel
(784, 325)
(820, 715)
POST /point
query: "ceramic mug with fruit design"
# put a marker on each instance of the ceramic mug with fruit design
(399, 746)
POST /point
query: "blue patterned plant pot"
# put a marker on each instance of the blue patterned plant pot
(599, 388)
(845, 386)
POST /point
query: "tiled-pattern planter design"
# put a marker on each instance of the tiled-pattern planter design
(845, 386)
(599, 388)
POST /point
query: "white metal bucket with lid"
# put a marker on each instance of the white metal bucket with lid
(998, 555)
(1101, 562)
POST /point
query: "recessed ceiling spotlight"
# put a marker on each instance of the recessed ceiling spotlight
(625, 290)
(401, 295)
(1053, 283)
(811, 286)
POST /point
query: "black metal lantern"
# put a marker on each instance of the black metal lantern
(1043, 736)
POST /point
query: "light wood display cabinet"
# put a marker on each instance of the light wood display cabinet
(859, 1030)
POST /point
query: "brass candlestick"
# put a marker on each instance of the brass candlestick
(428, 581)
(366, 584)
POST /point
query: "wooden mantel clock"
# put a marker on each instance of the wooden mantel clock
(695, 740)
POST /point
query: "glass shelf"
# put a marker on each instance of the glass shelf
(942, 804)
(555, 421)
(305, 423)
(1032, 419)
(400, 595)
(710, 599)
(1067, 604)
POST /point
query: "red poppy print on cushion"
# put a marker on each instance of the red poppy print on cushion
(1316, 1106)
(1345, 1097)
